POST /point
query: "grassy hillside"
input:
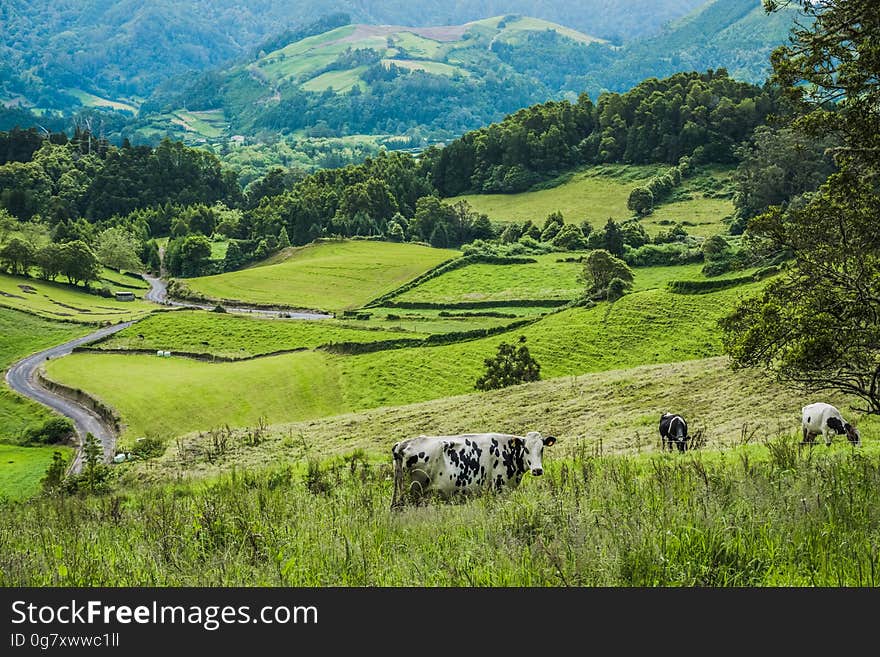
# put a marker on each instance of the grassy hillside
(171, 396)
(328, 275)
(615, 412)
(743, 516)
(168, 396)
(598, 193)
(65, 302)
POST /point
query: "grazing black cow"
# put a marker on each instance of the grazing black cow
(674, 430)
(465, 463)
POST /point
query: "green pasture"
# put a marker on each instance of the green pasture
(615, 411)
(545, 279)
(594, 194)
(763, 514)
(168, 397)
(338, 81)
(601, 192)
(54, 300)
(437, 68)
(237, 336)
(121, 282)
(91, 100)
(22, 468)
(332, 275)
(701, 216)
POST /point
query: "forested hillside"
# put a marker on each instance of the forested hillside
(125, 49)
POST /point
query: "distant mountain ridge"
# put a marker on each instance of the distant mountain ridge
(444, 80)
(124, 49)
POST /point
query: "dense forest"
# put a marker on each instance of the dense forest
(78, 188)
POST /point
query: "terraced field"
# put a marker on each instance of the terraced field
(332, 275)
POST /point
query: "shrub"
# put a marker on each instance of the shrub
(510, 366)
(54, 431)
(617, 288)
(147, 447)
(601, 268)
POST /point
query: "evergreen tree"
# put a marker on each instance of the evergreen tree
(511, 365)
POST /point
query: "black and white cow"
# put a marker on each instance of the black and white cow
(673, 431)
(825, 419)
(465, 463)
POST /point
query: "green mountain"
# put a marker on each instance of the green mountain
(367, 79)
(52, 50)
(438, 82)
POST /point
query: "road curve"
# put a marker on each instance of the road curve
(22, 378)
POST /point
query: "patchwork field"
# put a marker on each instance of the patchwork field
(333, 275)
(167, 397)
(64, 302)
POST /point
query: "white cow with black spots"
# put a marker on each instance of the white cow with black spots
(825, 419)
(464, 463)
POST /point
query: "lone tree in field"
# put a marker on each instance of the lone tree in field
(510, 366)
(600, 269)
(819, 323)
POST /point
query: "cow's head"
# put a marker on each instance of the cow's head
(852, 433)
(532, 447)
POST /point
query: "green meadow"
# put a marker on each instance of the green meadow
(751, 515)
(332, 275)
(22, 468)
(544, 279)
(599, 193)
(167, 397)
(238, 336)
(66, 302)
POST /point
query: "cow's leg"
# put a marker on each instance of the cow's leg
(418, 484)
(809, 436)
(826, 434)
(397, 495)
(681, 445)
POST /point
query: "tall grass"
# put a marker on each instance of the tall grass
(753, 516)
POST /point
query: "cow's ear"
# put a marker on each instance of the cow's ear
(515, 442)
(549, 441)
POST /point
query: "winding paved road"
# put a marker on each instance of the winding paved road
(22, 377)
